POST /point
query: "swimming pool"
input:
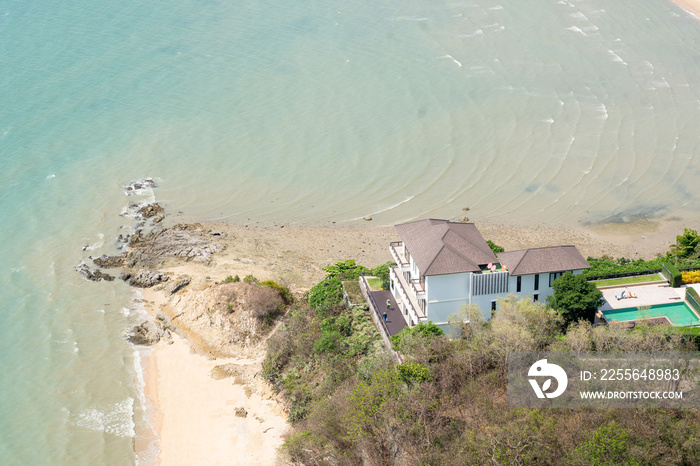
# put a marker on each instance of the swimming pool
(679, 314)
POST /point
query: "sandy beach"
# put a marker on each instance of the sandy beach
(691, 6)
(200, 419)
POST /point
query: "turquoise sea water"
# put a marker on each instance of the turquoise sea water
(315, 111)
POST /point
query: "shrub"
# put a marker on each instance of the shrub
(329, 342)
(264, 302)
(326, 296)
(607, 445)
(382, 271)
(284, 292)
(347, 270)
(690, 276)
(672, 274)
(413, 372)
(231, 279)
(494, 247)
(425, 331)
(250, 279)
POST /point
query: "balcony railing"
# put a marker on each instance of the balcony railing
(399, 258)
(418, 286)
(414, 310)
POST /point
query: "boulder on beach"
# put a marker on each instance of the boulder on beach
(144, 278)
(147, 333)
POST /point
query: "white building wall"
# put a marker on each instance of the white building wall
(446, 295)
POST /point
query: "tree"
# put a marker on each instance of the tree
(575, 298)
(687, 245)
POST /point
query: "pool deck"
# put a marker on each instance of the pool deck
(647, 295)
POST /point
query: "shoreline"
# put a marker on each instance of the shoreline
(691, 7)
(196, 418)
(194, 414)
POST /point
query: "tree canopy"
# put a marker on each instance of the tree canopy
(687, 245)
(575, 298)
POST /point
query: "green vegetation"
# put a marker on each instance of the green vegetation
(376, 284)
(672, 274)
(575, 298)
(607, 265)
(447, 403)
(284, 292)
(494, 247)
(627, 280)
(231, 279)
(687, 246)
(352, 289)
(250, 279)
(408, 335)
(693, 299)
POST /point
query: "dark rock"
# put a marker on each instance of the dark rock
(144, 278)
(122, 241)
(178, 284)
(164, 322)
(150, 210)
(147, 333)
(241, 412)
(109, 262)
(93, 275)
(139, 186)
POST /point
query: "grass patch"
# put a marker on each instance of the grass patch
(628, 280)
(352, 288)
(375, 284)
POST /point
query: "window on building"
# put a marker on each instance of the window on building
(421, 303)
(537, 282)
(553, 276)
(518, 286)
(536, 298)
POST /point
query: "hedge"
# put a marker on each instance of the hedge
(672, 274)
(692, 298)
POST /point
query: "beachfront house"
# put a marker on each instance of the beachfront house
(444, 265)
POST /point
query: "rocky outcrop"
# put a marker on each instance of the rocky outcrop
(109, 262)
(164, 322)
(144, 278)
(150, 210)
(186, 242)
(139, 186)
(147, 333)
(223, 319)
(178, 284)
(93, 275)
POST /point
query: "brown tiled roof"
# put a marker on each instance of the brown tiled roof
(542, 260)
(440, 247)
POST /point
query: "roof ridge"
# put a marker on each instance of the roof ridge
(434, 258)
(521, 259)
